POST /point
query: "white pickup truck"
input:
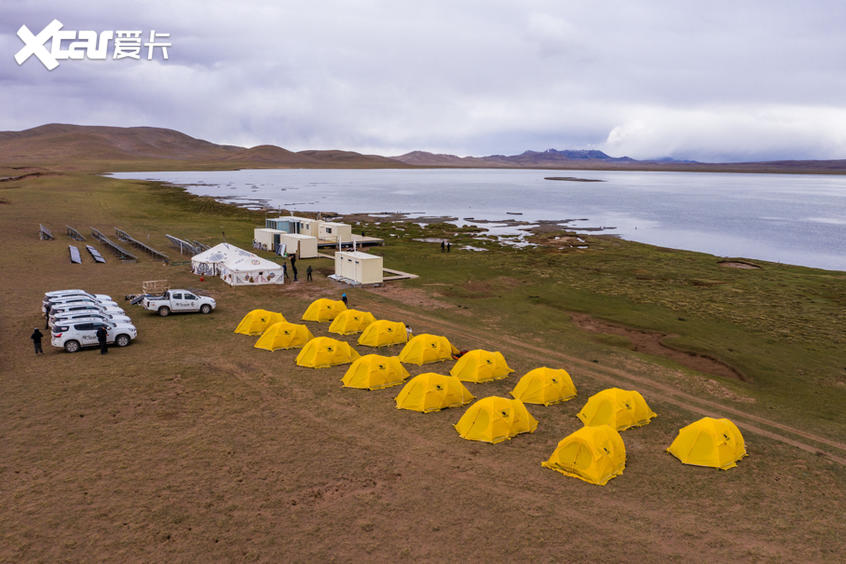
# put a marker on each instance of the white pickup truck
(178, 301)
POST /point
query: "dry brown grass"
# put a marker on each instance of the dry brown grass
(192, 445)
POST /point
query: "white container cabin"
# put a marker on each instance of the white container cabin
(331, 230)
(358, 267)
(304, 246)
(293, 224)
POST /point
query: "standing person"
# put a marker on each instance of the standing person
(101, 338)
(284, 271)
(36, 340)
(294, 266)
(308, 273)
(344, 299)
(409, 332)
(443, 246)
(47, 316)
(449, 246)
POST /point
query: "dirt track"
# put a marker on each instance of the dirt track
(685, 401)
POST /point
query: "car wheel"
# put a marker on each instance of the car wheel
(122, 340)
(205, 308)
(72, 346)
(164, 311)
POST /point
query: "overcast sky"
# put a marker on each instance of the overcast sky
(709, 81)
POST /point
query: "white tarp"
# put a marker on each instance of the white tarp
(236, 267)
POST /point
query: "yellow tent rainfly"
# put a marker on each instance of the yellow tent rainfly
(383, 333)
(545, 386)
(284, 335)
(322, 352)
(593, 454)
(351, 321)
(481, 366)
(425, 348)
(494, 419)
(621, 409)
(429, 392)
(709, 442)
(374, 372)
(255, 322)
(323, 309)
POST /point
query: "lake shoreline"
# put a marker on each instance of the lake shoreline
(777, 219)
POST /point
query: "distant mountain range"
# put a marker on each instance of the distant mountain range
(123, 148)
(83, 147)
(551, 158)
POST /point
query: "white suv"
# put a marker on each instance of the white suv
(83, 333)
(79, 299)
(81, 307)
(71, 295)
(75, 317)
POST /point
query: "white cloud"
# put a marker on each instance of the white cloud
(725, 133)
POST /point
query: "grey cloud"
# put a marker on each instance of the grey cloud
(723, 81)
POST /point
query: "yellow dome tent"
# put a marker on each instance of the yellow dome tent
(618, 408)
(709, 442)
(593, 454)
(255, 322)
(323, 309)
(321, 352)
(351, 321)
(481, 366)
(425, 348)
(494, 419)
(544, 386)
(383, 333)
(284, 335)
(374, 372)
(432, 392)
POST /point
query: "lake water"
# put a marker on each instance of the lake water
(795, 219)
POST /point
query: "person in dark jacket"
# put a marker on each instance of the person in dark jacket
(308, 273)
(36, 340)
(344, 299)
(101, 338)
(47, 316)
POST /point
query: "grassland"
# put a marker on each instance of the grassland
(190, 444)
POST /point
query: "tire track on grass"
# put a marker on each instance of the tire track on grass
(661, 391)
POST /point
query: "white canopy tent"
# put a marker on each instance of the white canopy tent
(208, 262)
(236, 267)
(241, 270)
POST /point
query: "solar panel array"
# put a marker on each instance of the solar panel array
(74, 255)
(122, 253)
(95, 254)
(183, 245)
(73, 233)
(124, 236)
